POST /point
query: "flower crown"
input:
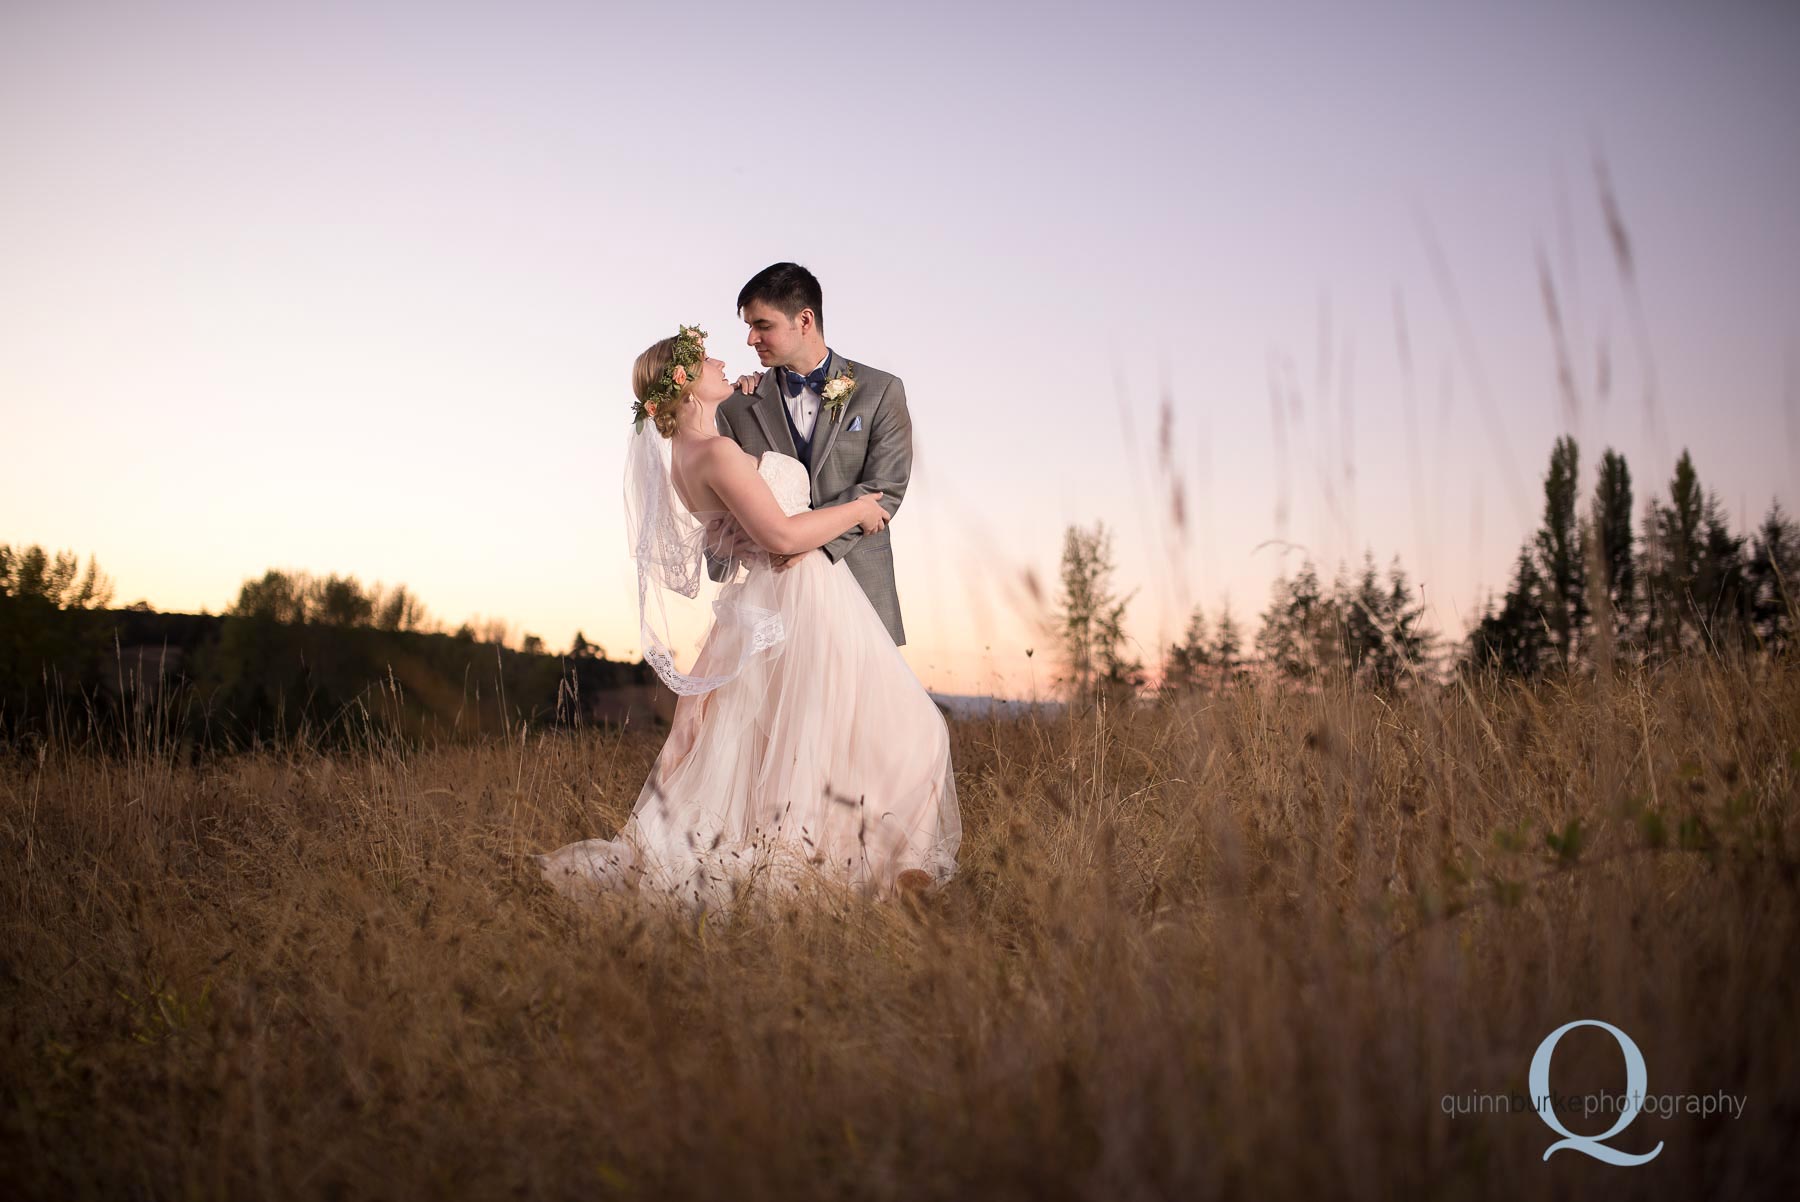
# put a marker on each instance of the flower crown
(689, 353)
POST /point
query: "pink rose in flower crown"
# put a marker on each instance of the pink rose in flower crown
(680, 376)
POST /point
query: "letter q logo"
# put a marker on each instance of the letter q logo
(1636, 1077)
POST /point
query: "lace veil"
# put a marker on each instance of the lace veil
(671, 546)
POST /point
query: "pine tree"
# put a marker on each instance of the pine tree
(1513, 640)
(1088, 625)
(1183, 666)
(1562, 563)
(1772, 579)
(1300, 633)
(1611, 524)
(1227, 647)
(1383, 635)
(1276, 644)
(1720, 593)
(1680, 542)
(1121, 673)
(1365, 619)
(1408, 640)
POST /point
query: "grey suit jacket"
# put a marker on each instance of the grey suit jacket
(846, 463)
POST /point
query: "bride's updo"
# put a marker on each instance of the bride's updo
(650, 382)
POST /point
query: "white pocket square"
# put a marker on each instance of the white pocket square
(855, 424)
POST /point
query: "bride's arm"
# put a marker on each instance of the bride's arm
(732, 474)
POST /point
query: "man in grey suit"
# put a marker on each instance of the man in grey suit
(862, 446)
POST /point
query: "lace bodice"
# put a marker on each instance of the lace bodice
(787, 479)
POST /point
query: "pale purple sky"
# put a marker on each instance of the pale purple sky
(356, 287)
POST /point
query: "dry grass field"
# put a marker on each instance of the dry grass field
(1247, 946)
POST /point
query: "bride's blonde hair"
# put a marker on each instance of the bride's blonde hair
(647, 377)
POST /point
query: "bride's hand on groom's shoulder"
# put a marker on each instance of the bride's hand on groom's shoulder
(749, 383)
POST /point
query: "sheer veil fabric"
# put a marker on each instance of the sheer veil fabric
(803, 749)
(669, 544)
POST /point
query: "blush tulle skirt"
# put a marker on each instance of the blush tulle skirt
(824, 761)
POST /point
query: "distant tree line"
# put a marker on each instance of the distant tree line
(1588, 588)
(52, 628)
(293, 653)
(1370, 628)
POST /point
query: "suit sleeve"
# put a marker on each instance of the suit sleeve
(717, 569)
(886, 467)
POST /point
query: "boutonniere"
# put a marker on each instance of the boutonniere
(837, 391)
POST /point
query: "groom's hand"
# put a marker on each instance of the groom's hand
(751, 383)
(726, 540)
(783, 562)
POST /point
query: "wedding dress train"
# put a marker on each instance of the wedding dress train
(827, 760)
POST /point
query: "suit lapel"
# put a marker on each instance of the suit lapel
(767, 409)
(834, 363)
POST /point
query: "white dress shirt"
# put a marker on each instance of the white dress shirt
(805, 407)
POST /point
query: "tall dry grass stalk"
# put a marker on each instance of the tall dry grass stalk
(1244, 946)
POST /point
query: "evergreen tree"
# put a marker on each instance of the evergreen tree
(1383, 626)
(1121, 673)
(1276, 644)
(1183, 666)
(1088, 625)
(1227, 647)
(1364, 611)
(1772, 579)
(1611, 525)
(1562, 563)
(1513, 640)
(1721, 597)
(1680, 530)
(1299, 632)
(1408, 640)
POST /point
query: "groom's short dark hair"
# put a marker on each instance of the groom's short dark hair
(788, 287)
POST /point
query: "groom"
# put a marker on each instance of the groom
(861, 445)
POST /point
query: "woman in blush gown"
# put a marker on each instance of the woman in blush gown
(803, 748)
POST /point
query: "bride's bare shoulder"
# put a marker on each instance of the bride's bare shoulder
(723, 452)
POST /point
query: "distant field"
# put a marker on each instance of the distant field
(1251, 945)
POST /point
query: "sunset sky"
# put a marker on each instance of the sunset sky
(357, 287)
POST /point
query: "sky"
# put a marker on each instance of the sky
(356, 288)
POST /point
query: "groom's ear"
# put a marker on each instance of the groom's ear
(807, 320)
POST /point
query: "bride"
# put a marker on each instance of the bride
(802, 747)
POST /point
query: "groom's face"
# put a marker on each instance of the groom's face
(774, 336)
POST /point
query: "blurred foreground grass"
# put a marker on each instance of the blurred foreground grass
(1241, 946)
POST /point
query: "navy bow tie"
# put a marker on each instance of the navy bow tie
(792, 381)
